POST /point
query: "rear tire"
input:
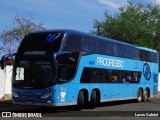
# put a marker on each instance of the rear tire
(145, 95)
(139, 96)
(93, 101)
(80, 104)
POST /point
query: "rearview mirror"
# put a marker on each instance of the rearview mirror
(4, 58)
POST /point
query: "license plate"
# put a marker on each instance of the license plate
(28, 102)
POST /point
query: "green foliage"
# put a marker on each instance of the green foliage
(135, 23)
(10, 39)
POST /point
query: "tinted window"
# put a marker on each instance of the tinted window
(96, 75)
(89, 45)
(105, 76)
(33, 73)
(109, 49)
(116, 76)
(72, 43)
(130, 53)
(131, 76)
(40, 44)
(153, 57)
(65, 73)
(103, 47)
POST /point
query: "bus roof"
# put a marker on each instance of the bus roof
(75, 32)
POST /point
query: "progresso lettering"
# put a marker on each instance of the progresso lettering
(35, 53)
(110, 62)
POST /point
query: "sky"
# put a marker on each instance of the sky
(61, 14)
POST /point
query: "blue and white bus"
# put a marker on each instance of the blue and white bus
(67, 67)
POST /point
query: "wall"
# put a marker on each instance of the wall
(5, 81)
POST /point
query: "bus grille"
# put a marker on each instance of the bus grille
(30, 97)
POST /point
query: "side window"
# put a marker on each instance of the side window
(72, 43)
(137, 77)
(65, 72)
(136, 54)
(144, 55)
(153, 57)
(110, 49)
(128, 76)
(131, 76)
(90, 75)
(104, 76)
(103, 47)
(85, 77)
(89, 45)
(94, 76)
(115, 76)
(121, 51)
(115, 49)
(130, 52)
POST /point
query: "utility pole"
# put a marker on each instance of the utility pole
(97, 27)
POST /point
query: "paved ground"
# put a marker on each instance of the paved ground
(110, 109)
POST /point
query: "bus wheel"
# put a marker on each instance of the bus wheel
(80, 104)
(145, 96)
(139, 96)
(93, 101)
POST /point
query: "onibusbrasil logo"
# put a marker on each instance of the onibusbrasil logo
(147, 71)
(13, 114)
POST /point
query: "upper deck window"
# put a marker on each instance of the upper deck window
(41, 43)
(72, 43)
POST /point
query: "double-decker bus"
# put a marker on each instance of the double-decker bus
(67, 67)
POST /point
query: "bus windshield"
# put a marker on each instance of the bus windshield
(40, 44)
(33, 74)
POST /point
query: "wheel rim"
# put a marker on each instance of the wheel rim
(140, 96)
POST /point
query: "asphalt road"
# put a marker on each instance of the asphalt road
(126, 108)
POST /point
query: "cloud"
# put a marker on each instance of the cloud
(157, 1)
(113, 3)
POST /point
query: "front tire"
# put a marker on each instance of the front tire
(80, 104)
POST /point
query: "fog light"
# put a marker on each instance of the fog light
(48, 94)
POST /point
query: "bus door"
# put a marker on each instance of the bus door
(62, 80)
(65, 75)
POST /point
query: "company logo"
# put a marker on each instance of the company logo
(110, 62)
(146, 71)
(6, 114)
(13, 114)
(51, 38)
(35, 53)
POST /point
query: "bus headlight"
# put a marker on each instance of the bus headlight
(48, 94)
(15, 94)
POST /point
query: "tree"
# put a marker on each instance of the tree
(135, 23)
(10, 39)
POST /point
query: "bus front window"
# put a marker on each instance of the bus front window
(33, 74)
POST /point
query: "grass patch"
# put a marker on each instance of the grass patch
(158, 96)
(5, 101)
